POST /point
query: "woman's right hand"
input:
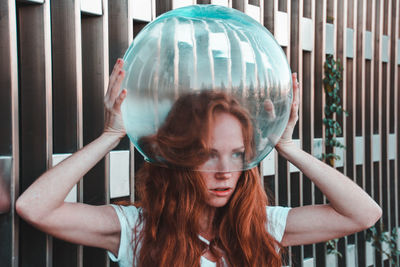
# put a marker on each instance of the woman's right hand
(113, 99)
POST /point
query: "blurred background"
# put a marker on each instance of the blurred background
(55, 59)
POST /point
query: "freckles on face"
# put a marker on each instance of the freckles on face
(222, 170)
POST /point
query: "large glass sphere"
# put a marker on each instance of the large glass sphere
(193, 63)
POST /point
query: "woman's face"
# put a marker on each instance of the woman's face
(227, 153)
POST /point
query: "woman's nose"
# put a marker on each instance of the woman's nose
(223, 175)
(223, 170)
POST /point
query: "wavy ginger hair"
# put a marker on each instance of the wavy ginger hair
(172, 199)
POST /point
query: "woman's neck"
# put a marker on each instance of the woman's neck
(206, 223)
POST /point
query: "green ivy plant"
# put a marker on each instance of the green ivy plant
(332, 78)
(331, 247)
(378, 238)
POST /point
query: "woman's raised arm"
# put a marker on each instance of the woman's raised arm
(350, 208)
(42, 204)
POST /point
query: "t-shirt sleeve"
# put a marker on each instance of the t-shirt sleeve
(276, 220)
(128, 217)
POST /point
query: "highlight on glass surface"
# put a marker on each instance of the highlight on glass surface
(191, 65)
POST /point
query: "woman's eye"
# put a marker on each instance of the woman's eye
(213, 155)
(238, 155)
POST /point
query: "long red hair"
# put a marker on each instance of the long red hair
(172, 199)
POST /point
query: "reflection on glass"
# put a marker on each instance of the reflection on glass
(191, 50)
(214, 131)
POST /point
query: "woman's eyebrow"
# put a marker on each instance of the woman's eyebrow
(235, 149)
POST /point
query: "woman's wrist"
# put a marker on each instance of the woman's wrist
(283, 146)
(111, 138)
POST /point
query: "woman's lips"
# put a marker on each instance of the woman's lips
(221, 192)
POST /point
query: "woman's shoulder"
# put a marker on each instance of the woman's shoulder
(128, 215)
(129, 219)
(276, 221)
(277, 211)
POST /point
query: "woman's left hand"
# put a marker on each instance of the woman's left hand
(286, 137)
(113, 123)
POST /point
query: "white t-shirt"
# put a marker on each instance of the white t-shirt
(128, 216)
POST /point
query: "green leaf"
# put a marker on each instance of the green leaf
(327, 111)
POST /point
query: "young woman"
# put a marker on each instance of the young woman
(196, 212)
